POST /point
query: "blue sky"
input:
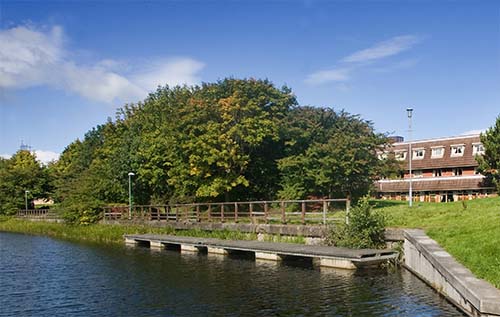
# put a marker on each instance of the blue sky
(67, 66)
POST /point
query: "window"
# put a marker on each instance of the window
(400, 155)
(437, 172)
(477, 149)
(382, 156)
(418, 154)
(457, 150)
(437, 152)
(457, 171)
(418, 173)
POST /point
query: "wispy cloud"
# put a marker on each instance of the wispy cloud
(361, 58)
(34, 57)
(470, 132)
(383, 49)
(339, 74)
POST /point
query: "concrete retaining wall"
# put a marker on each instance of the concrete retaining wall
(425, 258)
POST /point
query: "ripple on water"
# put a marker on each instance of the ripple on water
(45, 277)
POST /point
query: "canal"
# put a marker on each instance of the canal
(41, 276)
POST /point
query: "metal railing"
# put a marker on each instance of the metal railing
(37, 214)
(276, 211)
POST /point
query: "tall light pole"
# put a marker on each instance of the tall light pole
(409, 112)
(130, 194)
(26, 201)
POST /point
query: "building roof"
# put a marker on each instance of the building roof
(446, 161)
(432, 184)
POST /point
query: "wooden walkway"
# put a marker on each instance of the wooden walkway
(323, 255)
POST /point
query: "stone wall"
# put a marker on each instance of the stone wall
(425, 258)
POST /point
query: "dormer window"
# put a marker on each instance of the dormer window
(418, 154)
(437, 152)
(457, 150)
(477, 149)
(400, 155)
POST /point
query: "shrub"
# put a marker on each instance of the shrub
(364, 230)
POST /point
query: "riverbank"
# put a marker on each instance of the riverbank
(103, 233)
(470, 230)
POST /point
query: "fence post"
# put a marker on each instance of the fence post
(265, 212)
(325, 208)
(250, 211)
(303, 213)
(198, 213)
(236, 212)
(347, 208)
(222, 212)
(283, 215)
(209, 213)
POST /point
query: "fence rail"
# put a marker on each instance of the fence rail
(276, 211)
(37, 214)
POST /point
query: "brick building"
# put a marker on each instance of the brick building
(443, 169)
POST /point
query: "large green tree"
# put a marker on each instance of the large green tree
(22, 172)
(489, 162)
(332, 154)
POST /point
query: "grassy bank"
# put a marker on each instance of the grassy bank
(114, 233)
(470, 231)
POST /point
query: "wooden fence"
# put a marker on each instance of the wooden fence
(48, 214)
(278, 211)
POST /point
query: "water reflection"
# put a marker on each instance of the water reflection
(42, 277)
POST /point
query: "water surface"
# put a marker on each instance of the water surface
(41, 276)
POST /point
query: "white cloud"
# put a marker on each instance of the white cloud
(43, 156)
(341, 74)
(478, 131)
(31, 57)
(170, 72)
(383, 49)
(46, 156)
(360, 58)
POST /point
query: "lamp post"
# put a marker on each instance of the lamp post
(409, 112)
(130, 195)
(26, 201)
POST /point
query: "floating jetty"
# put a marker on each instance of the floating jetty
(271, 251)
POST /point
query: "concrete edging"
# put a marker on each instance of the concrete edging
(428, 260)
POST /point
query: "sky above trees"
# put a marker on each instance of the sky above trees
(66, 67)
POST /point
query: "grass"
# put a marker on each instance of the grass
(469, 230)
(101, 233)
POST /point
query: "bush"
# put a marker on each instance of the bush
(364, 230)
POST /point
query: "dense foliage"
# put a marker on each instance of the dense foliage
(224, 141)
(21, 173)
(365, 228)
(489, 163)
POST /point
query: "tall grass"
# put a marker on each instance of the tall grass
(101, 233)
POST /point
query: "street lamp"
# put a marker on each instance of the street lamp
(26, 201)
(409, 112)
(130, 195)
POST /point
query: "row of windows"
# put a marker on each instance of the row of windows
(437, 152)
(438, 172)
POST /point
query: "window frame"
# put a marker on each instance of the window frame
(453, 149)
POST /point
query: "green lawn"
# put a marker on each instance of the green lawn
(470, 231)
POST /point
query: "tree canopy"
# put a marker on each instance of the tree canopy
(489, 162)
(229, 140)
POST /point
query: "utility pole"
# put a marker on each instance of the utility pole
(26, 201)
(130, 195)
(409, 112)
